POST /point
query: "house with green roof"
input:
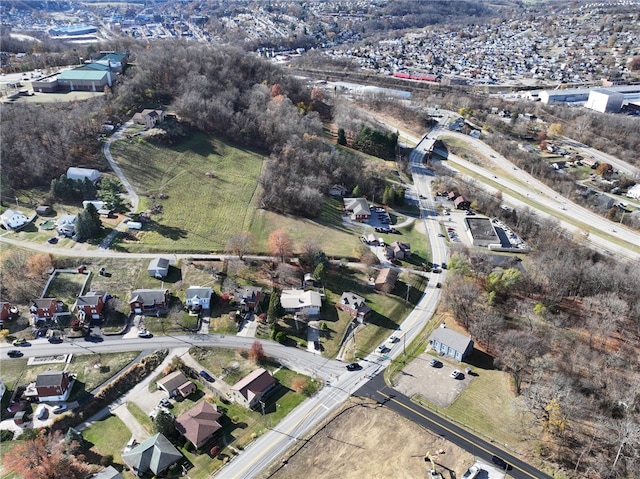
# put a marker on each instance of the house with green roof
(155, 455)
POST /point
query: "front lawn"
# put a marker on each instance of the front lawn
(108, 436)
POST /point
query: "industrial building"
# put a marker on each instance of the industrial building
(611, 99)
(605, 101)
(73, 30)
(481, 231)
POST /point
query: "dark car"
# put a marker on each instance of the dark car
(316, 344)
(435, 363)
(444, 265)
(14, 353)
(55, 339)
(501, 463)
(353, 367)
(52, 240)
(438, 285)
(92, 338)
(206, 376)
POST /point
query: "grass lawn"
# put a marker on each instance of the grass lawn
(140, 416)
(66, 287)
(212, 190)
(108, 436)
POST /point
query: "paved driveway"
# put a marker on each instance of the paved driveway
(434, 384)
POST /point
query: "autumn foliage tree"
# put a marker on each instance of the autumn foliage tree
(256, 353)
(280, 244)
(46, 457)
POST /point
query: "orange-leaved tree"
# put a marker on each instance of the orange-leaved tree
(280, 244)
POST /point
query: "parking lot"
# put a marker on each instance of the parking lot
(435, 384)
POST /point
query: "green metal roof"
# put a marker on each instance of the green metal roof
(71, 75)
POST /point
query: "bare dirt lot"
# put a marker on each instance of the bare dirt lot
(366, 440)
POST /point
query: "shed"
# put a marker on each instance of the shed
(158, 268)
(44, 210)
(79, 174)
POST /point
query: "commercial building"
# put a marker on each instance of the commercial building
(481, 231)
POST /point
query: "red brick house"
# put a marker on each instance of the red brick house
(53, 386)
(90, 306)
(249, 297)
(199, 424)
(150, 301)
(43, 309)
(5, 311)
(354, 305)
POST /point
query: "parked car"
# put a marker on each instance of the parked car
(14, 353)
(440, 235)
(501, 463)
(52, 240)
(438, 285)
(435, 363)
(206, 376)
(382, 348)
(394, 339)
(59, 409)
(55, 339)
(19, 342)
(455, 374)
(144, 334)
(164, 402)
(41, 412)
(316, 345)
(444, 265)
(353, 367)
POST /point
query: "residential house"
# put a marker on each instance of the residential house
(451, 343)
(149, 118)
(398, 250)
(249, 297)
(66, 225)
(79, 174)
(53, 386)
(176, 384)
(150, 301)
(158, 268)
(43, 309)
(154, 455)
(386, 280)
(198, 298)
(250, 390)
(90, 306)
(357, 208)
(199, 424)
(108, 473)
(7, 312)
(354, 305)
(461, 203)
(338, 190)
(12, 219)
(299, 301)
(370, 239)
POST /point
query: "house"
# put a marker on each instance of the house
(145, 301)
(198, 297)
(149, 118)
(354, 305)
(338, 190)
(108, 473)
(43, 309)
(450, 343)
(398, 250)
(249, 297)
(357, 208)
(370, 239)
(79, 174)
(90, 305)
(199, 424)
(250, 390)
(7, 312)
(634, 192)
(53, 386)
(158, 268)
(66, 225)
(12, 219)
(461, 204)
(175, 384)
(154, 455)
(300, 301)
(386, 280)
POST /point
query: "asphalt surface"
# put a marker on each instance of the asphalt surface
(401, 404)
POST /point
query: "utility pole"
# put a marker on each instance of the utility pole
(408, 289)
(264, 419)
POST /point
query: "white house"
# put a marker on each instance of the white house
(66, 225)
(634, 192)
(158, 268)
(300, 301)
(198, 297)
(12, 219)
(79, 174)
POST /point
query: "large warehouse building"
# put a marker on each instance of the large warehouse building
(481, 231)
(609, 99)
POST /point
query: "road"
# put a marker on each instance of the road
(401, 404)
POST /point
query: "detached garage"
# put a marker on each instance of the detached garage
(158, 268)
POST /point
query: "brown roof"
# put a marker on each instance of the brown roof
(387, 276)
(173, 381)
(199, 423)
(257, 382)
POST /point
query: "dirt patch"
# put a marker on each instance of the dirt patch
(365, 440)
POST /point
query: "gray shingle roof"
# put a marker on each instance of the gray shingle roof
(451, 338)
(155, 454)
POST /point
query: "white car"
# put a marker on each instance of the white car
(394, 339)
(144, 334)
(382, 348)
(456, 374)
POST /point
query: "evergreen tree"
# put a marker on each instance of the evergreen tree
(356, 193)
(88, 189)
(342, 138)
(164, 424)
(275, 308)
(387, 196)
(88, 223)
(320, 272)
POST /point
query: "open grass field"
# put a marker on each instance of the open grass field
(108, 436)
(213, 194)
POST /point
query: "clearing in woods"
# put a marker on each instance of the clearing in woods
(366, 440)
